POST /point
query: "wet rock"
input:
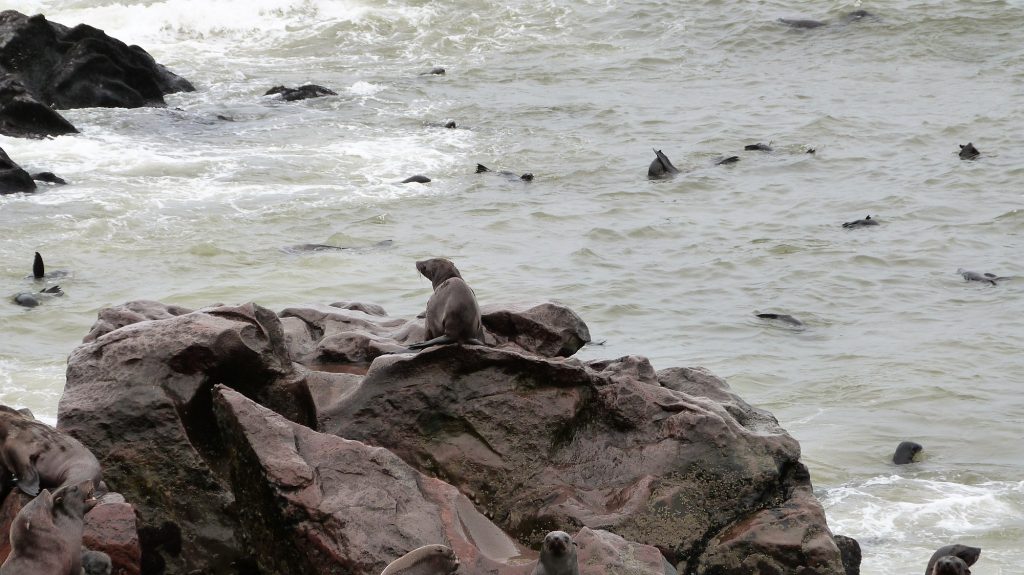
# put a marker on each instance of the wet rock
(81, 67)
(550, 444)
(849, 548)
(13, 178)
(24, 116)
(111, 528)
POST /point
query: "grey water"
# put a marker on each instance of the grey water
(199, 203)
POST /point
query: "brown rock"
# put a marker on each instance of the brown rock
(111, 318)
(546, 329)
(601, 552)
(111, 528)
(12, 504)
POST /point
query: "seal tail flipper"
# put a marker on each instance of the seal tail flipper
(480, 168)
(439, 340)
(666, 162)
(55, 290)
(38, 271)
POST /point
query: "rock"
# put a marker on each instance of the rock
(13, 179)
(548, 444)
(111, 528)
(111, 318)
(312, 503)
(24, 116)
(12, 504)
(81, 67)
(849, 548)
(139, 397)
(599, 552)
(546, 329)
(331, 334)
(300, 93)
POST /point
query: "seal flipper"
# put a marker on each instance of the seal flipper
(439, 340)
(18, 462)
(480, 168)
(38, 270)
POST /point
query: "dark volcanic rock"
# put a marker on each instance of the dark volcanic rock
(13, 178)
(850, 550)
(81, 67)
(552, 444)
(23, 116)
(140, 398)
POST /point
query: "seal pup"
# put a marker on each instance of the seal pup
(417, 179)
(453, 315)
(37, 547)
(867, 221)
(527, 177)
(426, 560)
(984, 278)
(969, 152)
(661, 167)
(905, 452)
(965, 553)
(69, 507)
(557, 555)
(39, 455)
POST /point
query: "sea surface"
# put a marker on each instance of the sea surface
(199, 202)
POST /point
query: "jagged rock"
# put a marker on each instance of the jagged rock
(553, 444)
(111, 318)
(139, 397)
(13, 178)
(546, 329)
(601, 552)
(81, 67)
(24, 116)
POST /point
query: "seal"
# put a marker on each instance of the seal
(661, 167)
(417, 179)
(426, 560)
(40, 456)
(782, 318)
(905, 452)
(729, 160)
(527, 177)
(435, 71)
(37, 547)
(69, 506)
(969, 152)
(965, 553)
(867, 221)
(96, 563)
(984, 278)
(32, 299)
(802, 23)
(758, 147)
(557, 555)
(39, 270)
(453, 315)
(950, 565)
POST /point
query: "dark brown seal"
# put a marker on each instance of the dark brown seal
(426, 560)
(453, 316)
(37, 546)
(905, 452)
(966, 555)
(557, 555)
(40, 456)
(69, 507)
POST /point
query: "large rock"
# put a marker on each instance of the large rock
(13, 178)
(546, 329)
(140, 398)
(23, 116)
(547, 444)
(111, 528)
(111, 318)
(81, 67)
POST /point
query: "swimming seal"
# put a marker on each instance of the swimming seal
(984, 278)
(905, 452)
(968, 555)
(527, 177)
(453, 315)
(557, 555)
(32, 299)
(417, 179)
(950, 565)
(426, 560)
(37, 547)
(40, 456)
(69, 506)
(758, 147)
(867, 221)
(435, 71)
(969, 152)
(782, 318)
(661, 167)
(802, 23)
(300, 93)
(729, 160)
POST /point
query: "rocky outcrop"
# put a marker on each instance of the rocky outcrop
(13, 178)
(549, 444)
(24, 116)
(81, 67)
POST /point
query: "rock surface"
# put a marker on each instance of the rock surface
(13, 178)
(81, 67)
(22, 115)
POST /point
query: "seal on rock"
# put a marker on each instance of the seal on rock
(661, 166)
(37, 546)
(557, 555)
(867, 221)
(966, 554)
(453, 315)
(969, 152)
(905, 452)
(527, 177)
(426, 560)
(40, 456)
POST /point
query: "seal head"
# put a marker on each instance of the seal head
(966, 555)
(905, 452)
(557, 555)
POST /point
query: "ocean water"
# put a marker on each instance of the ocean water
(198, 202)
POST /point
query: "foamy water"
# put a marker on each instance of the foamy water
(192, 204)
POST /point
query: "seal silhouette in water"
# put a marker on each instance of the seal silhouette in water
(867, 221)
(426, 560)
(984, 278)
(969, 152)
(758, 147)
(37, 545)
(905, 452)
(557, 555)
(726, 161)
(782, 318)
(527, 177)
(661, 167)
(417, 179)
(964, 555)
(453, 315)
